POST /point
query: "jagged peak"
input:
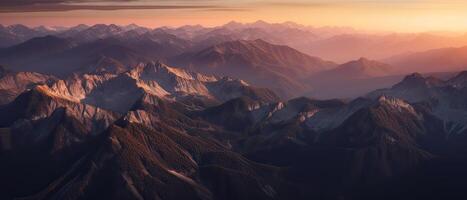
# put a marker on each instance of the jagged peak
(413, 80)
(151, 69)
(195, 26)
(260, 23)
(361, 68)
(236, 45)
(47, 91)
(414, 76)
(417, 78)
(17, 27)
(459, 81)
(112, 27)
(233, 22)
(158, 66)
(233, 25)
(363, 59)
(363, 62)
(149, 66)
(98, 25)
(460, 76)
(396, 104)
(158, 31)
(80, 27)
(132, 26)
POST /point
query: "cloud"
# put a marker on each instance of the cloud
(14, 6)
(381, 3)
(48, 2)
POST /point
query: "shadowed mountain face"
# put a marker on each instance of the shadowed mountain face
(114, 124)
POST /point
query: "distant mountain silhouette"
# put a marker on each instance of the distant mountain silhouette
(261, 63)
(445, 59)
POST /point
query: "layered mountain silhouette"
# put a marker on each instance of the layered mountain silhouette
(81, 48)
(261, 63)
(351, 45)
(358, 77)
(435, 60)
(15, 34)
(358, 69)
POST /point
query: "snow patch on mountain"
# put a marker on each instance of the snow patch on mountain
(397, 104)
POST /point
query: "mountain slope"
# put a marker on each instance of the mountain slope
(50, 54)
(352, 79)
(88, 34)
(15, 34)
(14, 83)
(386, 139)
(436, 60)
(444, 97)
(347, 46)
(358, 69)
(263, 64)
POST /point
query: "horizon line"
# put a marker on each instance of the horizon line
(357, 30)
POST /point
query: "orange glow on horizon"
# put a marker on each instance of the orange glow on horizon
(408, 17)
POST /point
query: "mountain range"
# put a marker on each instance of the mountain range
(272, 55)
(448, 59)
(231, 112)
(15, 34)
(277, 67)
(352, 79)
(154, 131)
(339, 44)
